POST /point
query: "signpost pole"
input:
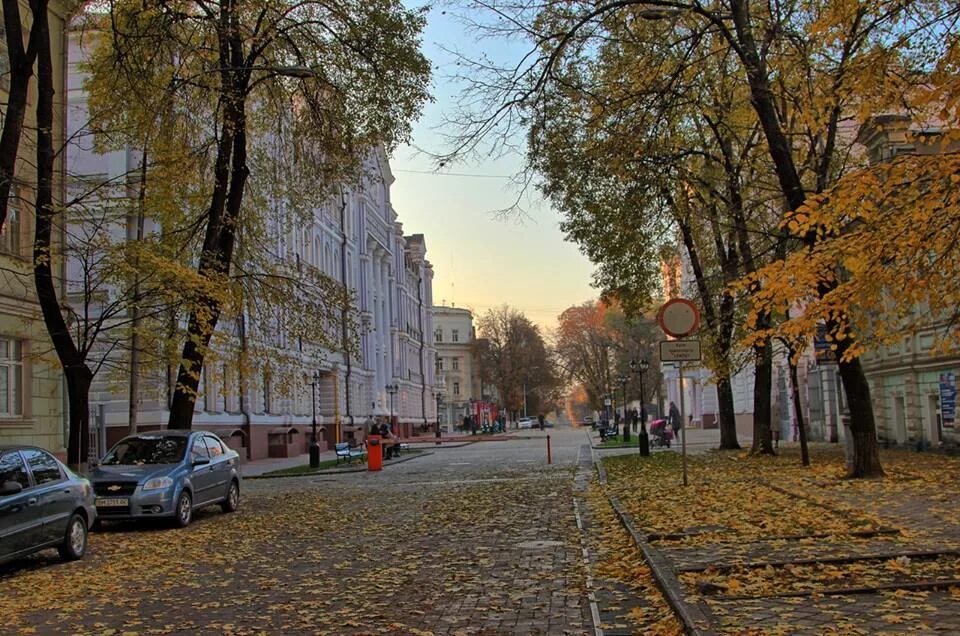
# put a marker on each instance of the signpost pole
(678, 317)
(683, 426)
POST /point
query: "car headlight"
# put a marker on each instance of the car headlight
(158, 483)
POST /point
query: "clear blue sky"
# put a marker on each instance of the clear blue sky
(480, 259)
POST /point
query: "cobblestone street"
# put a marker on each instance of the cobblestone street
(470, 540)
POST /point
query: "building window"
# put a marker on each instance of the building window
(11, 378)
(439, 364)
(438, 335)
(455, 335)
(456, 364)
(10, 236)
(456, 388)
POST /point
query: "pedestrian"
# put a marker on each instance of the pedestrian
(385, 440)
(540, 421)
(674, 419)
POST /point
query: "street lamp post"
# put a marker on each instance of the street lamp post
(392, 390)
(626, 423)
(439, 402)
(314, 444)
(640, 368)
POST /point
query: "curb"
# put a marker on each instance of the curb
(695, 618)
(337, 471)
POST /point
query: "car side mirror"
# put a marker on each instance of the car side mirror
(200, 461)
(10, 488)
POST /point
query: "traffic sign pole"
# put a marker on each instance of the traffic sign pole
(683, 427)
(678, 317)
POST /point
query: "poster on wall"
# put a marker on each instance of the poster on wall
(948, 399)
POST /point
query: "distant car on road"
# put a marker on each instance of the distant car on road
(43, 504)
(525, 422)
(167, 474)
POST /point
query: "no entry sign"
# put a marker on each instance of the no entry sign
(679, 317)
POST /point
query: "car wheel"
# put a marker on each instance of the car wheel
(232, 502)
(74, 544)
(183, 513)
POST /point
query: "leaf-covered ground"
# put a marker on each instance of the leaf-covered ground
(307, 556)
(763, 545)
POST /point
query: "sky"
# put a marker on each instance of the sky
(481, 259)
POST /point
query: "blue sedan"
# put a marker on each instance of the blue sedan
(43, 504)
(166, 474)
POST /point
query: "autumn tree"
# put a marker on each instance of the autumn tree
(596, 342)
(582, 349)
(343, 77)
(21, 57)
(515, 359)
(807, 69)
(635, 170)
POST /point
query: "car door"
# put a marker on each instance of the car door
(219, 466)
(51, 487)
(21, 527)
(201, 474)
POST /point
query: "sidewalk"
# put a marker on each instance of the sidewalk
(806, 552)
(261, 466)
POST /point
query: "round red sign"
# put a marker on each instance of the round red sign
(679, 317)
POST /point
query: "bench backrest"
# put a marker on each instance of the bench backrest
(342, 446)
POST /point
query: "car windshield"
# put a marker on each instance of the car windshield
(147, 450)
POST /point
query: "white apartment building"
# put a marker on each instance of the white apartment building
(354, 238)
(454, 338)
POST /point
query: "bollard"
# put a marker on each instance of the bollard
(549, 459)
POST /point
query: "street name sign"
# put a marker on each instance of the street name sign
(680, 351)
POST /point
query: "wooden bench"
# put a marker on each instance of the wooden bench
(345, 452)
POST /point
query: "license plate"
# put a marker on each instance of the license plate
(112, 502)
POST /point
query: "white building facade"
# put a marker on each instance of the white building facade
(354, 238)
(454, 338)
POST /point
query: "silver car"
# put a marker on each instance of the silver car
(43, 504)
(166, 474)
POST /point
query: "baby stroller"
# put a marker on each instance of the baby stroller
(660, 433)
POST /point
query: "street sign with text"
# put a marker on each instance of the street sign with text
(680, 351)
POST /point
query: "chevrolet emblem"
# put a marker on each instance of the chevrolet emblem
(113, 488)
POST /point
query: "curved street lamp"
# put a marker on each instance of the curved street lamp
(640, 368)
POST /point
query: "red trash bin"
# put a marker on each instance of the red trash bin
(374, 453)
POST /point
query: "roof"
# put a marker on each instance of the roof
(5, 447)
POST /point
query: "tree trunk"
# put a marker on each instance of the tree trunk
(798, 412)
(762, 385)
(76, 371)
(728, 418)
(134, 405)
(78, 379)
(21, 70)
(866, 460)
(215, 258)
(866, 456)
(721, 325)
